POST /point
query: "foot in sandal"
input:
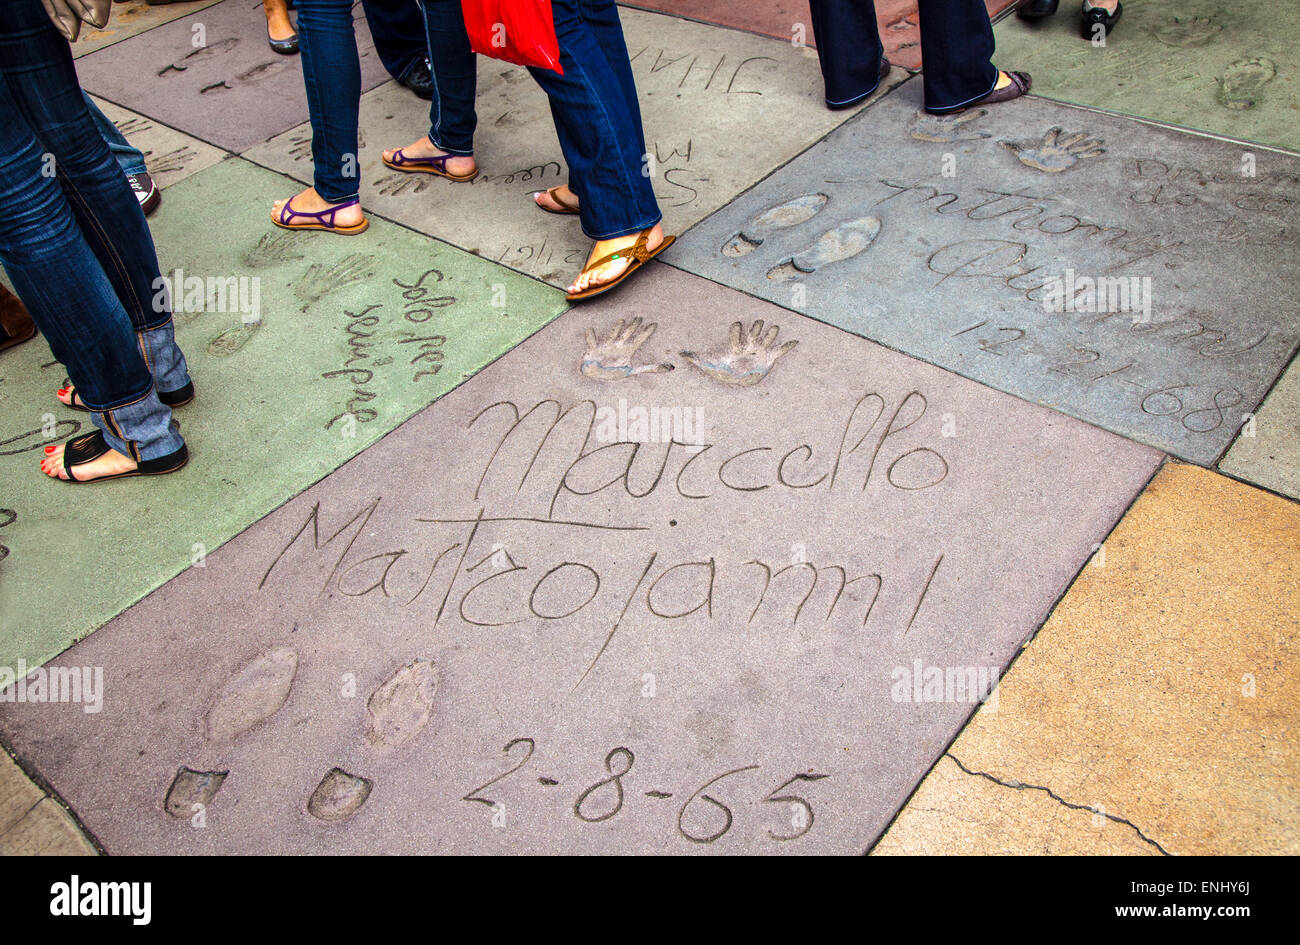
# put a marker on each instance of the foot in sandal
(557, 200)
(89, 458)
(621, 256)
(426, 157)
(310, 211)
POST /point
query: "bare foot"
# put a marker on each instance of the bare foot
(460, 165)
(110, 464)
(68, 396)
(615, 267)
(311, 202)
(564, 201)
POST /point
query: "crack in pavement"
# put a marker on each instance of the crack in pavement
(1020, 786)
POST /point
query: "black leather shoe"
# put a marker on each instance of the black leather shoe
(418, 80)
(1034, 9)
(1097, 16)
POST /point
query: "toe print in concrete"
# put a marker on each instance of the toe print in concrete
(611, 359)
(192, 791)
(338, 796)
(946, 129)
(1243, 82)
(1069, 277)
(252, 695)
(1057, 151)
(790, 213)
(834, 246)
(1186, 32)
(748, 357)
(401, 707)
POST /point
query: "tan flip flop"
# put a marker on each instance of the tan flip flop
(639, 254)
(553, 193)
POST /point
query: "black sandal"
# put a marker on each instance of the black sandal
(1099, 16)
(91, 446)
(170, 398)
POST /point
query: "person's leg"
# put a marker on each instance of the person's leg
(848, 49)
(129, 157)
(397, 28)
(39, 73)
(331, 70)
(44, 252)
(956, 53)
(454, 72)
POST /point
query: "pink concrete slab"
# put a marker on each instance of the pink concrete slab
(528, 620)
(211, 74)
(788, 19)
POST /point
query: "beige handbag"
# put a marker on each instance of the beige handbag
(68, 15)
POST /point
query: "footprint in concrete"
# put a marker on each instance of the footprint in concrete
(1243, 82)
(1186, 32)
(264, 70)
(191, 787)
(319, 281)
(835, 245)
(1057, 151)
(232, 340)
(219, 48)
(611, 359)
(946, 129)
(797, 210)
(338, 796)
(748, 357)
(253, 694)
(273, 249)
(400, 708)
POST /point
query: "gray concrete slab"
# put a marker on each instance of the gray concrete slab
(540, 617)
(211, 74)
(721, 110)
(169, 154)
(1267, 450)
(983, 217)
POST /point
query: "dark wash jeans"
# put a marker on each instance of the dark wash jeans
(598, 120)
(398, 31)
(331, 72)
(956, 48)
(75, 244)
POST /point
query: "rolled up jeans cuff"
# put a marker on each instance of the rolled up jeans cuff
(141, 430)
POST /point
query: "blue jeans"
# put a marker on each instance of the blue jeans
(397, 29)
(956, 46)
(331, 71)
(598, 120)
(75, 243)
(454, 69)
(129, 158)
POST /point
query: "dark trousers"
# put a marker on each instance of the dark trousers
(397, 27)
(598, 120)
(956, 49)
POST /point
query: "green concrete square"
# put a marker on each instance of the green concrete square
(1228, 68)
(342, 323)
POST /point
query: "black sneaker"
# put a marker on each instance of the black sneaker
(418, 80)
(146, 191)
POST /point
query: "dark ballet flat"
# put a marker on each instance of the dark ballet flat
(1036, 9)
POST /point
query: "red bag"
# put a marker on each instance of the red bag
(518, 31)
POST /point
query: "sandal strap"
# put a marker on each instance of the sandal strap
(317, 215)
(554, 194)
(637, 252)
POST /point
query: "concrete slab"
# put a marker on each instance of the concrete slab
(959, 813)
(212, 75)
(600, 628)
(46, 830)
(1232, 69)
(1267, 451)
(18, 794)
(1162, 693)
(169, 154)
(1126, 274)
(355, 336)
(788, 20)
(721, 111)
(132, 17)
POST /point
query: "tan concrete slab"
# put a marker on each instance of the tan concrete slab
(1267, 451)
(721, 110)
(1162, 692)
(170, 155)
(18, 794)
(956, 813)
(47, 830)
(131, 18)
